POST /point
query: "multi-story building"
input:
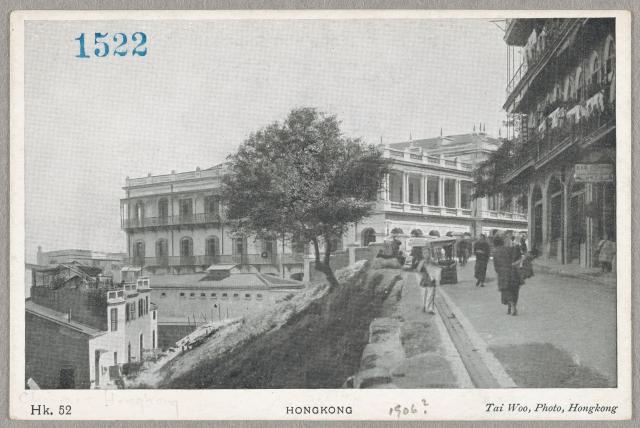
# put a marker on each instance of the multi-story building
(177, 234)
(110, 263)
(430, 189)
(174, 225)
(81, 327)
(562, 95)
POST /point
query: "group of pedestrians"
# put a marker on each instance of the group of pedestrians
(511, 261)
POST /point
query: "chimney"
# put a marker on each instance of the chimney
(69, 315)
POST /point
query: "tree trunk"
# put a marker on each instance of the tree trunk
(324, 265)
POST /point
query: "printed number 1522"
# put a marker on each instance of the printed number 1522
(117, 45)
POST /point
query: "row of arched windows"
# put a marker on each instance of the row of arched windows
(583, 82)
(211, 247)
(597, 71)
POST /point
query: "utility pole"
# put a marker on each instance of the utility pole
(282, 258)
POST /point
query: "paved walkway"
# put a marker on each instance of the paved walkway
(409, 348)
(563, 336)
(575, 271)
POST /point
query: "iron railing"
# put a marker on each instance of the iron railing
(542, 147)
(179, 220)
(554, 31)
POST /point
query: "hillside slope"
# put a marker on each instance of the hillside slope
(319, 344)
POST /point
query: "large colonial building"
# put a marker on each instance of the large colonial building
(430, 190)
(81, 327)
(562, 95)
(176, 225)
(177, 235)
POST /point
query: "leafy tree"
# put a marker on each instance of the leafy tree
(489, 176)
(303, 179)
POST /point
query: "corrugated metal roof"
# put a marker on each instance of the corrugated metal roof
(60, 318)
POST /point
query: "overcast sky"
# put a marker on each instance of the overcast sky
(204, 86)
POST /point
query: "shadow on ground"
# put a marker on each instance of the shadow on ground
(542, 365)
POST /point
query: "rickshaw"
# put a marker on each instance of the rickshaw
(438, 254)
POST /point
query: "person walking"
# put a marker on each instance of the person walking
(482, 252)
(416, 256)
(465, 252)
(506, 261)
(429, 286)
(606, 252)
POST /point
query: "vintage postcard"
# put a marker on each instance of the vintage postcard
(323, 215)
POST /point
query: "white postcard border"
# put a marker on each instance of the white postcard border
(272, 404)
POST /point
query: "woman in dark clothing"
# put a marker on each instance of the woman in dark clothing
(482, 252)
(505, 259)
(416, 256)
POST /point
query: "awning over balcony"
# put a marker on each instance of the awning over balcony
(518, 31)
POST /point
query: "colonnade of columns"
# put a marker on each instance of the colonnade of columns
(406, 196)
(578, 230)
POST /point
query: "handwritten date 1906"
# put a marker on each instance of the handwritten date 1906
(400, 410)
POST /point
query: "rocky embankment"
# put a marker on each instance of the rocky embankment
(409, 348)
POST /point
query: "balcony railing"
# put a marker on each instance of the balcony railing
(428, 159)
(539, 53)
(239, 259)
(179, 220)
(503, 215)
(215, 172)
(542, 147)
(424, 209)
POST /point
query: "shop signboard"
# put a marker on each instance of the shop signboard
(593, 173)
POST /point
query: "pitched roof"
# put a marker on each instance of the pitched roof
(60, 318)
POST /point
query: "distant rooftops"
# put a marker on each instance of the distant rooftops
(80, 254)
(91, 271)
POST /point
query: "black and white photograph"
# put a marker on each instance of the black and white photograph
(319, 208)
